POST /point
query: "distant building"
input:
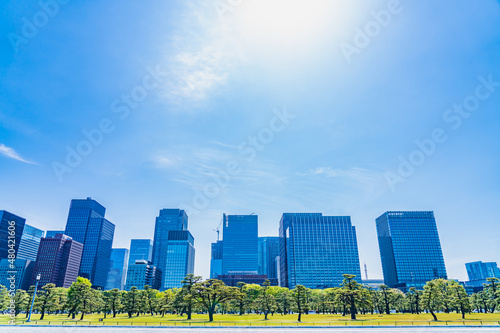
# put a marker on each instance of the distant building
(118, 269)
(30, 241)
(17, 274)
(233, 279)
(10, 223)
(269, 248)
(240, 244)
(52, 233)
(140, 249)
(87, 225)
(316, 250)
(143, 273)
(58, 261)
(479, 271)
(216, 260)
(372, 283)
(410, 249)
(173, 247)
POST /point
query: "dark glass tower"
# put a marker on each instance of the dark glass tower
(140, 249)
(240, 244)
(316, 250)
(10, 223)
(173, 247)
(268, 252)
(30, 241)
(410, 249)
(118, 269)
(58, 261)
(87, 225)
(216, 259)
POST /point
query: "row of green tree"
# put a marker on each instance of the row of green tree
(213, 296)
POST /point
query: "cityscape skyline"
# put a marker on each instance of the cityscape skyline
(182, 223)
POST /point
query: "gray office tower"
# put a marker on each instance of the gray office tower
(87, 225)
(173, 247)
(316, 250)
(410, 249)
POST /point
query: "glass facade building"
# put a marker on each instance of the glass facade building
(316, 250)
(58, 261)
(173, 247)
(5, 222)
(87, 225)
(118, 269)
(180, 258)
(268, 252)
(140, 249)
(216, 259)
(19, 276)
(30, 241)
(143, 273)
(479, 271)
(410, 249)
(240, 244)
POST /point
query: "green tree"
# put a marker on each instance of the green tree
(150, 297)
(21, 299)
(113, 299)
(132, 301)
(164, 301)
(458, 297)
(492, 289)
(82, 298)
(210, 293)
(283, 299)
(352, 292)
(266, 302)
(187, 285)
(299, 297)
(47, 300)
(414, 296)
(4, 298)
(433, 296)
(241, 301)
(387, 297)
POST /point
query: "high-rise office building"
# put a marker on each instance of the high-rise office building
(410, 249)
(87, 225)
(216, 259)
(11, 227)
(316, 250)
(140, 249)
(58, 261)
(143, 273)
(479, 271)
(269, 248)
(16, 275)
(240, 244)
(30, 241)
(118, 269)
(173, 247)
(52, 233)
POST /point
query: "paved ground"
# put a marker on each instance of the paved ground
(18, 329)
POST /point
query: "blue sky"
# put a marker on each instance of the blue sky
(256, 107)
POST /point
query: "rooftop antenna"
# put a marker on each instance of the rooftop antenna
(366, 272)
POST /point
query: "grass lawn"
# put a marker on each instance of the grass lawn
(258, 320)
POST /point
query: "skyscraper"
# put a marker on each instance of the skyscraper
(479, 271)
(118, 269)
(58, 261)
(316, 250)
(140, 249)
(410, 249)
(268, 251)
(30, 241)
(173, 247)
(216, 259)
(17, 277)
(87, 225)
(11, 227)
(240, 244)
(180, 258)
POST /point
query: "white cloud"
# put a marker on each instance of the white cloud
(11, 153)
